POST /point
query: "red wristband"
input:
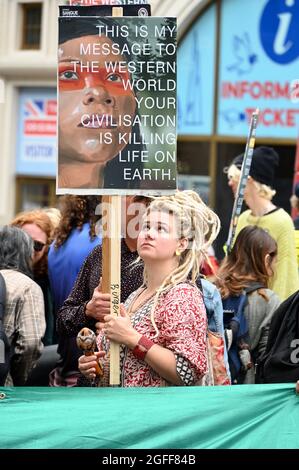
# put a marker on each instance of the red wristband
(142, 347)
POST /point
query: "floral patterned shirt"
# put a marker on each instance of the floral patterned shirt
(181, 320)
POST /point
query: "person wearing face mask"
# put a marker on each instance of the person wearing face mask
(265, 214)
(96, 110)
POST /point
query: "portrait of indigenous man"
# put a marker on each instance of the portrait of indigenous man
(96, 110)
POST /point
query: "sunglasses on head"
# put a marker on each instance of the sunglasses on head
(38, 246)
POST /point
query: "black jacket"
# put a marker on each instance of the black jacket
(281, 360)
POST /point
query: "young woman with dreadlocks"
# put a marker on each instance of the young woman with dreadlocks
(162, 328)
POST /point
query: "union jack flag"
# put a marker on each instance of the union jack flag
(34, 108)
(40, 117)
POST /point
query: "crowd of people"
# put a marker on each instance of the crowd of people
(51, 263)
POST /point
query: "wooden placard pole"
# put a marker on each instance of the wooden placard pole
(111, 269)
(239, 197)
(111, 260)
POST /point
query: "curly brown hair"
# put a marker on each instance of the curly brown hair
(246, 261)
(42, 220)
(76, 211)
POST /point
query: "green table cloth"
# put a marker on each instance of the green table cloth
(238, 417)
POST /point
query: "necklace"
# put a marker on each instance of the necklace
(265, 210)
(140, 303)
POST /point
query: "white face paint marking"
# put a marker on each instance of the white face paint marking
(60, 52)
(75, 111)
(91, 143)
(94, 91)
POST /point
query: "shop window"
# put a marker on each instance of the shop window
(193, 167)
(193, 157)
(31, 25)
(35, 194)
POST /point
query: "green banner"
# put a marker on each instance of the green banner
(238, 417)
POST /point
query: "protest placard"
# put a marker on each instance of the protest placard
(117, 105)
(104, 10)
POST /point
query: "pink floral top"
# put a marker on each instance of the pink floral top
(182, 323)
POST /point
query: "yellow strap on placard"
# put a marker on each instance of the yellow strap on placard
(117, 11)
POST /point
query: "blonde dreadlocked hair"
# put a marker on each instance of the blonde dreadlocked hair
(196, 222)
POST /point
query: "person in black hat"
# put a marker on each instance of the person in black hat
(262, 212)
(262, 171)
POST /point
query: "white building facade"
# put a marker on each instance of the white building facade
(28, 88)
(233, 56)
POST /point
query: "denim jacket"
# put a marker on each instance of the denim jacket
(214, 309)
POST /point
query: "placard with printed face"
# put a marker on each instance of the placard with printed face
(117, 105)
